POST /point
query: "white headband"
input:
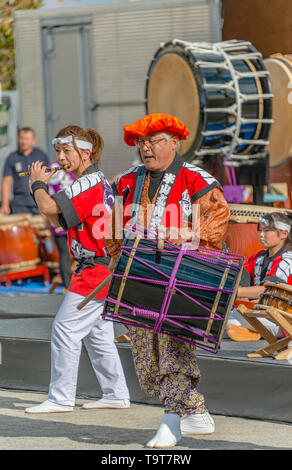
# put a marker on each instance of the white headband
(282, 226)
(279, 225)
(82, 144)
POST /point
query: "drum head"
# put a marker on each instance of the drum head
(280, 138)
(173, 90)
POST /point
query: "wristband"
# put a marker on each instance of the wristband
(37, 185)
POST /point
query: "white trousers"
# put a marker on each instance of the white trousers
(70, 328)
(235, 318)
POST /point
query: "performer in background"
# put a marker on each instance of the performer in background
(167, 367)
(79, 209)
(273, 263)
(18, 162)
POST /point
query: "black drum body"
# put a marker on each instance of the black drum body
(184, 294)
(221, 92)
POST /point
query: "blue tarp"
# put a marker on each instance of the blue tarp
(29, 287)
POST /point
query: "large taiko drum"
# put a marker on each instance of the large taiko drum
(220, 91)
(183, 293)
(18, 250)
(280, 69)
(242, 234)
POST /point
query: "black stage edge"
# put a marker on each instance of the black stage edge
(232, 384)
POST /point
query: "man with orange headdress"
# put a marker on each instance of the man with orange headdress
(167, 367)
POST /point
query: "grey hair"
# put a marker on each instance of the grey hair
(167, 137)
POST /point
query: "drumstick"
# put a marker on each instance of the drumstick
(94, 292)
(27, 173)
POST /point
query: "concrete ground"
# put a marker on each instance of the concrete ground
(125, 430)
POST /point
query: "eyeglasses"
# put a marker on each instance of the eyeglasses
(148, 142)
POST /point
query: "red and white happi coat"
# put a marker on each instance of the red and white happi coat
(86, 207)
(261, 268)
(182, 186)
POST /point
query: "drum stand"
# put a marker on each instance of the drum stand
(255, 173)
(277, 348)
(40, 270)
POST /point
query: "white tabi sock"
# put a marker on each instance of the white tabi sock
(168, 433)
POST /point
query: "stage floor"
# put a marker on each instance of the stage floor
(232, 384)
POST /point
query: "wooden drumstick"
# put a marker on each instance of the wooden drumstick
(27, 173)
(95, 291)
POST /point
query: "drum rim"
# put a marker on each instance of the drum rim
(11, 217)
(197, 115)
(198, 138)
(278, 285)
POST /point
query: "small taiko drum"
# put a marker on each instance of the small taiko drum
(18, 250)
(242, 234)
(277, 295)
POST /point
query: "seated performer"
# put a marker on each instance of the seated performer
(78, 209)
(166, 367)
(274, 264)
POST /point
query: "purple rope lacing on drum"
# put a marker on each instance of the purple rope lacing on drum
(154, 315)
(201, 305)
(192, 254)
(197, 256)
(139, 311)
(146, 264)
(144, 279)
(141, 231)
(172, 284)
(176, 283)
(130, 322)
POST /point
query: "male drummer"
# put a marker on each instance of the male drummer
(167, 367)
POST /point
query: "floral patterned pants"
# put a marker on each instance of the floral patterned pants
(167, 368)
